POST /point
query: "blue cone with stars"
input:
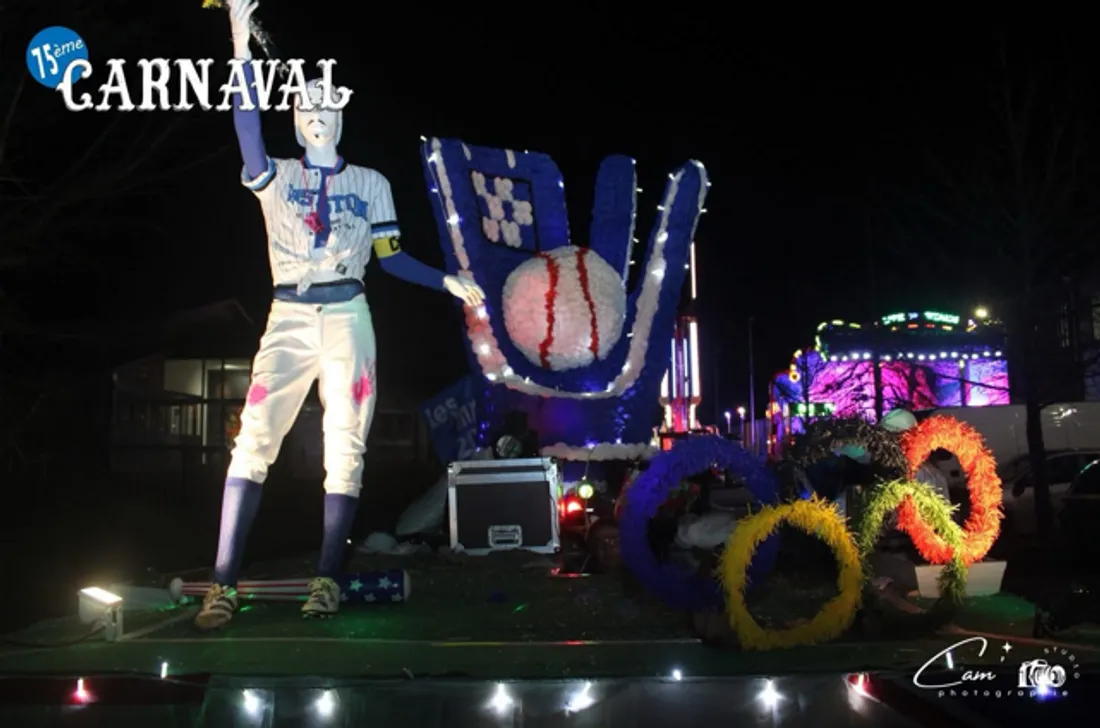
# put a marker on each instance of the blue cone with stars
(375, 587)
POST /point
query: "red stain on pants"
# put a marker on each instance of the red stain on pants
(362, 389)
(257, 393)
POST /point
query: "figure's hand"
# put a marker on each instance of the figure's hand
(470, 292)
(240, 25)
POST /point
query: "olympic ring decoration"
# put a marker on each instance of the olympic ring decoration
(672, 584)
(983, 525)
(817, 518)
(933, 510)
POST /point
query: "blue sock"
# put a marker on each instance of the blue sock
(339, 518)
(240, 503)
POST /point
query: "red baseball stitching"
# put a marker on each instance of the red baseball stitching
(554, 272)
(582, 272)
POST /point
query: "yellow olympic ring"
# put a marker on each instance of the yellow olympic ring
(817, 518)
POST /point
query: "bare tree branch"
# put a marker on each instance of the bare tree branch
(9, 117)
(1022, 209)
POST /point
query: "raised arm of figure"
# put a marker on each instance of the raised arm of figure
(258, 169)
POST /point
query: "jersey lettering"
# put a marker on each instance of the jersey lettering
(349, 203)
(360, 213)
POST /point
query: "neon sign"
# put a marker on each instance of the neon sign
(933, 316)
(942, 318)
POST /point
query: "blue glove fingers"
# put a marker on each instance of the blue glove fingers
(612, 231)
(551, 216)
(505, 201)
(678, 213)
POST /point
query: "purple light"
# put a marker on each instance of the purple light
(850, 385)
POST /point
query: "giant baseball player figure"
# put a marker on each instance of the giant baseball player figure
(323, 217)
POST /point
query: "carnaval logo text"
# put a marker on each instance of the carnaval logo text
(184, 84)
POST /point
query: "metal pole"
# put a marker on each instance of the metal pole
(716, 392)
(752, 392)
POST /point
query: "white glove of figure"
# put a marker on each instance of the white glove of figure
(470, 292)
(240, 26)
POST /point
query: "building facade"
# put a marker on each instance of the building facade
(176, 412)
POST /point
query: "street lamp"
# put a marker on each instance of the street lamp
(729, 426)
(981, 312)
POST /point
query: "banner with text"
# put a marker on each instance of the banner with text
(452, 419)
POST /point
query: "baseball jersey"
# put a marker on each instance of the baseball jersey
(322, 223)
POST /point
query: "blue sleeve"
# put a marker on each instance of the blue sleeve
(257, 167)
(407, 268)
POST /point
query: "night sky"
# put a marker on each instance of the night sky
(809, 137)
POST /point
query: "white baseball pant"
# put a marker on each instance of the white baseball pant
(333, 343)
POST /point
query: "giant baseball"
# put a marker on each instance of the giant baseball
(564, 309)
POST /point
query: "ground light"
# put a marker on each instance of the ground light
(860, 684)
(81, 694)
(253, 704)
(326, 704)
(101, 607)
(769, 696)
(580, 700)
(501, 701)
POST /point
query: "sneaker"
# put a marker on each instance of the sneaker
(217, 607)
(324, 598)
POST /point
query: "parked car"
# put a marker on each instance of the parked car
(1081, 510)
(1019, 494)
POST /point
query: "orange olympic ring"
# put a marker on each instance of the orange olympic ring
(983, 525)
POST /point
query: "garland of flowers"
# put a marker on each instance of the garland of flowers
(933, 510)
(983, 525)
(671, 583)
(818, 518)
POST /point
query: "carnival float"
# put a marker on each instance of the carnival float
(564, 344)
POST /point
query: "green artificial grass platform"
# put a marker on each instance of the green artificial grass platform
(495, 617)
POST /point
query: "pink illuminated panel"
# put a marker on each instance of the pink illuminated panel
(909, 384)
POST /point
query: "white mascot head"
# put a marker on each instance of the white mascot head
(319, 127)
(899, 421)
